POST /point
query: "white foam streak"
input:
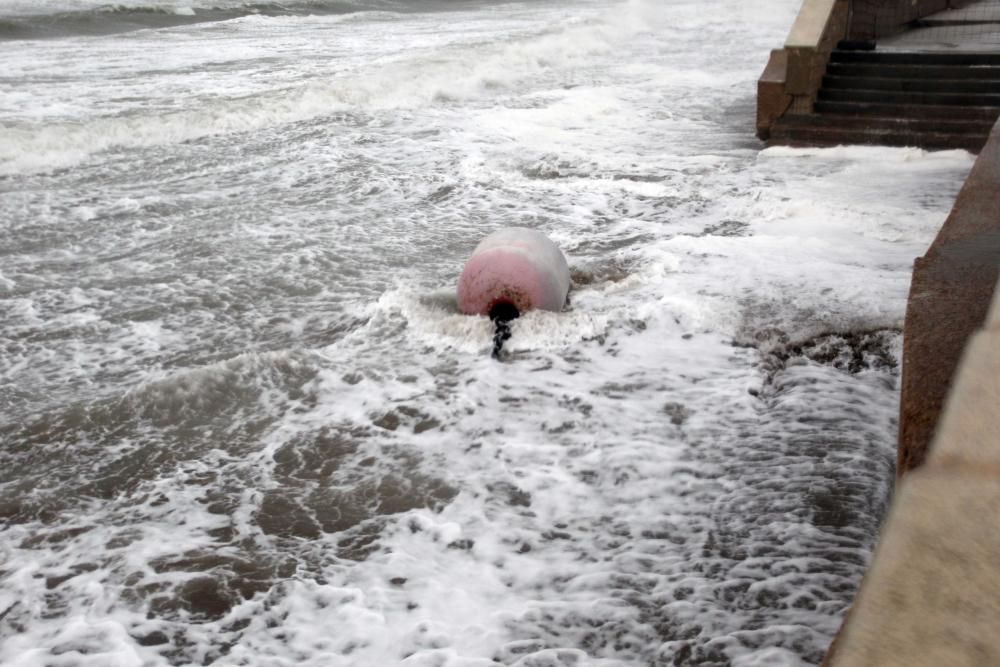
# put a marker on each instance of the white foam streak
(180, 7)
(460, 73)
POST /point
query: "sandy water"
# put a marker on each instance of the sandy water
(241, 422)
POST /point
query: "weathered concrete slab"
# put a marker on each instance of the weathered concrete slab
(950, 296)
(994, 318)
(932, 595)
(969, 434)
(818, 27)
(984, 10)
(810, 24)
(975, 27)
(948, 302)
(877, 19)
(942, 38)
(772, 100)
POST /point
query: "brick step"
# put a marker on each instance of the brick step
(936, 58)
(784, 135)
(912, 85)
(883, 70)
(871, 122)
(908, 98)
(927, 111)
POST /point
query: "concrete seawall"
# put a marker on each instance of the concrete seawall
(949, 298)
(932, 595)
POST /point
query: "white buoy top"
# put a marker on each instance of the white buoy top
(514, 266)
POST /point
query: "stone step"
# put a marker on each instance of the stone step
(927, 111)
(911, 98)
(917, 85)
(871, 122)
(934, 100)
(790, 135)
(912, 71)
(936, 58)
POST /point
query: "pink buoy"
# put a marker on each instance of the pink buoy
(511, 271)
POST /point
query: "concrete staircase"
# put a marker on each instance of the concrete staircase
(934, 100)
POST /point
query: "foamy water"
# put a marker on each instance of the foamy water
(242, 422)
